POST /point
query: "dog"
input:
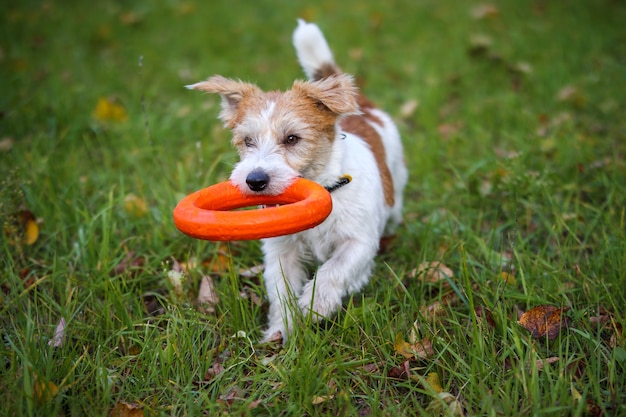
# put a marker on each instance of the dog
(325, 130)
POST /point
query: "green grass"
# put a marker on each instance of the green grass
(501, 168)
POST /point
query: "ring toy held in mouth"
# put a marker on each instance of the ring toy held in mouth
(206, 214)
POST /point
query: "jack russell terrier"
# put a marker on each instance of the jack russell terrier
(327, 131)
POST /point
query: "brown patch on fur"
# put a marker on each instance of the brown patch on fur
(358, 126)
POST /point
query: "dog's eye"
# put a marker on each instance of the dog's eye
(291, 140)
(248, 142)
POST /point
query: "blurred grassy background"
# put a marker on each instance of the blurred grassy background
(512, 115)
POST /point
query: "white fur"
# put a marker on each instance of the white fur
(345, 244)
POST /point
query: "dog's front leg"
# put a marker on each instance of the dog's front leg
(284, 276)
(347, 270)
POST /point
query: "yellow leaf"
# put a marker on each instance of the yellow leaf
(108, 110)
(421, 349)
(508, 278)
(31, 232)
(44, 391)
(433, 380)
(135, 206)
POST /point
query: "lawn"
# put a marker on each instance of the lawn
(503, 293)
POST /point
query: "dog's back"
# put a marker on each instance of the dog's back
(374, 126)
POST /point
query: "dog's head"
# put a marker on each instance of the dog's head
(282, 135)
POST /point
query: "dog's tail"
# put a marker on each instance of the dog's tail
(313, 51)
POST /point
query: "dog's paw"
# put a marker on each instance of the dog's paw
(273, 336)
(321, 303)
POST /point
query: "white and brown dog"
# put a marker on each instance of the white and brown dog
(321, 129)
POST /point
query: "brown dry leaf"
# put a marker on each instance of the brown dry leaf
(124, 409)
(252, 272)
(572, 95)
(132, 263)
(213, 371)
(544, 321)
(6, 144)
(541, 363)
(248, 294)
(421, 349)
(109, 110)
(207, 293)
(485, 314)
(59, 334)
(432, 272)
(408, 108)
(400, 372)
(485, 11)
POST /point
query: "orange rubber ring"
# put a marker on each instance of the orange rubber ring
(205, 214)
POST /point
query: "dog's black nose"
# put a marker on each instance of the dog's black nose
(257, 180)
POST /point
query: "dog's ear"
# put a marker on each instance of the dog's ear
(337, 93)
(232, 92)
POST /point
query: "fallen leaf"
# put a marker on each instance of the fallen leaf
(572, 95)
(22, 227)
(207, 293)
(408, 108)
(6, 144)
(431, 272)
(445, 404)
(248, 294)
(541, 363)
(433, 381)
(44, 391)
(221, 262)
(135, 206)
(131, 263)
(59, 334)
(124, 409)
(400, 372)
(544, 321)
(508, 278)
(484, 314)
(485, 11)
(421, 349)
(252, 272)
(213, 371)
(109, 110)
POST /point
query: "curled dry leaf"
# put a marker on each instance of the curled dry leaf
(544, 321)
(431, 272)
(541, 363)
(125, 409)
(485, 11)
(59, 334)
(207, 293)
(213, 371)
(444, 403)
(421, 349)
